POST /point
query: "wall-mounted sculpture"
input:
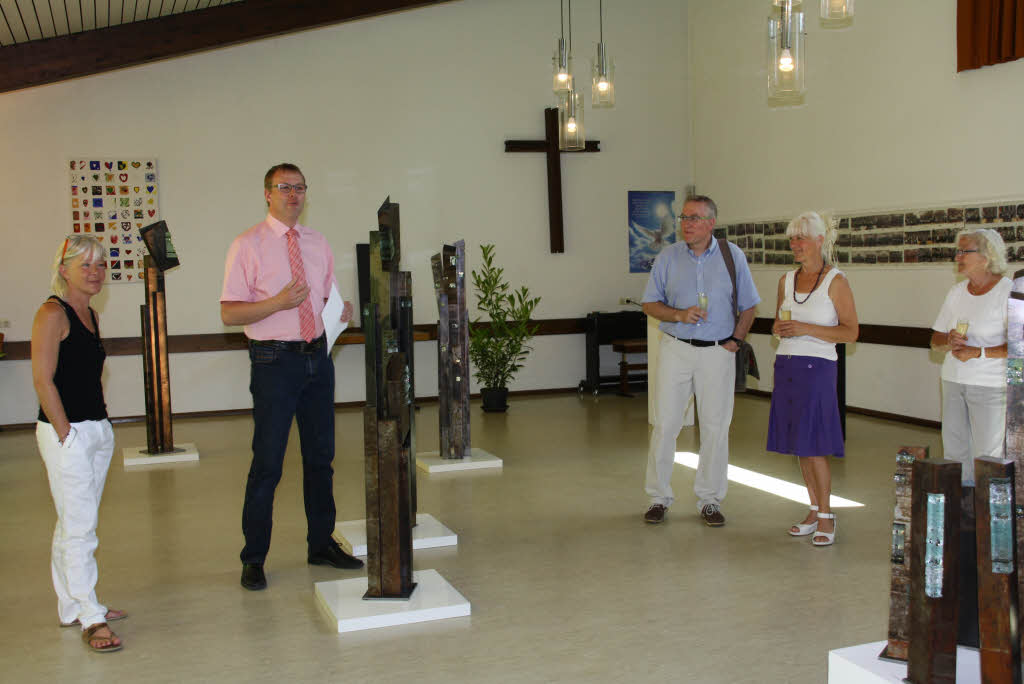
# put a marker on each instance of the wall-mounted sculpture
(449, 269)
(388, 419)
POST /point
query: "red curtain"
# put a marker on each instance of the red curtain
(988, 32)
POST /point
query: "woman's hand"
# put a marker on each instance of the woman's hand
(956, 341)
(966, 353)
(790, 328)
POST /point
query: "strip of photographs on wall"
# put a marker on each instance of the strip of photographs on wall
(908, 237)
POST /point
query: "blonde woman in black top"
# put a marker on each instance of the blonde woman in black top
(73, 433)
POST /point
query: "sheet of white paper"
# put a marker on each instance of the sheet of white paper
(331, 316)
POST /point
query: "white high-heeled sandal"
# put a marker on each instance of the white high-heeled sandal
(802, 530)
(830, 537)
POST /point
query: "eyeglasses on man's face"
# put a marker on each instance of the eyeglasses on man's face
(962, 252)
(287, 188)
(692, 219)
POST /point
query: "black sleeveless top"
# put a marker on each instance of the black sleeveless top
(79, 367)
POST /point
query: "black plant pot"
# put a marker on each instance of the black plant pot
(495, 400)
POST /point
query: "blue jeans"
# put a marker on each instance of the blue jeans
(287, 384)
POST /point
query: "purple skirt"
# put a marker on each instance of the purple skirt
(804, 417)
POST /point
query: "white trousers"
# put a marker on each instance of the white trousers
(709, 374)
(973, 424)
(77, 471)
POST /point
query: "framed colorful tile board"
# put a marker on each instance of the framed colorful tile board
(113, 199)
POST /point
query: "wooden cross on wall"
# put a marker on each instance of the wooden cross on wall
(550, 147)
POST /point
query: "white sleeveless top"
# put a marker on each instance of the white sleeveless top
(817, 310)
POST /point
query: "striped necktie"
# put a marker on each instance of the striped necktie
(307, 328)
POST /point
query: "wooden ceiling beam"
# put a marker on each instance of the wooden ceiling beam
(50, 60)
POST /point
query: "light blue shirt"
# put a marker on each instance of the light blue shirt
(678, 275)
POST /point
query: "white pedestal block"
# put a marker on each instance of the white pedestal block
(433, 599)
(182, 452)
(860, 665)
(429, 533)
(432, 462)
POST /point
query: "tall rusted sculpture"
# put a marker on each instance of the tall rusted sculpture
(388, 419)
(934, 571)
(155, 366)
(999, 629)
(899, 556)
(449, 268)
(1015, 416)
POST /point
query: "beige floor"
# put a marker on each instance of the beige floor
(567, 583)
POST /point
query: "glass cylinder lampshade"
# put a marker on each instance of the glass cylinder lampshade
(603, 80)
(786, 54)
(570, 122)
(836, 10)
(562, 76)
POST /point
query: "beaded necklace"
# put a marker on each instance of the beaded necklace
(813, 288)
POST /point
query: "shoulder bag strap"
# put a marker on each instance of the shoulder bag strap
(723, 246)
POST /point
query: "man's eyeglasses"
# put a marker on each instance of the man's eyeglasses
(286, 188)
(961, 252)
(692, 219)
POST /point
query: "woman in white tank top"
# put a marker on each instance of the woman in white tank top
(815, 311)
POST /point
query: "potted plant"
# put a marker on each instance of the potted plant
(498, 348)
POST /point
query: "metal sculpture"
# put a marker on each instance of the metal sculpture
(388, 419)
(999, 630)
(155, 364)
(934, 571)
(449, 269)
(899, 593)
(1015, 414)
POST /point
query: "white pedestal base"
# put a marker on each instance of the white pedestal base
(182, 453)
(429, 533)
(860, 665)
(432, 462)
(433, 599)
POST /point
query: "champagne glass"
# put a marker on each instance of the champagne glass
(961, 326)
(702, 302)
(785, 314)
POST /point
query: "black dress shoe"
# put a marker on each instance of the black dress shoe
(333, 555)
(253, 578)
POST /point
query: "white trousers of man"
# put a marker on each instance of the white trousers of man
(708, 373)
(973, 424)
(77, 471)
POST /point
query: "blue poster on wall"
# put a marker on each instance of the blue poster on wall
(652, 226)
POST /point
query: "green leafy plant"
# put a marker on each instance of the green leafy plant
(498, 349)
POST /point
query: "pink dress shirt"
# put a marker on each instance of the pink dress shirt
(257, 268)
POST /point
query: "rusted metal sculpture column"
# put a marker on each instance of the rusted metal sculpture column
(998, 626)
(449, 268)
(899, 556)
(388, 419)
(155, 366)
(934, 571)
(1015, 415)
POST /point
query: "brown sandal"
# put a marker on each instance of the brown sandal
(89, 636)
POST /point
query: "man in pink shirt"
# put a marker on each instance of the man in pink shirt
(277, 278)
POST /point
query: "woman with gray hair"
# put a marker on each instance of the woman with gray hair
(73, 433)
(815, 312)
(971, 329)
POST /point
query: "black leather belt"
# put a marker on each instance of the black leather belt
(701, 343)
(300, 346)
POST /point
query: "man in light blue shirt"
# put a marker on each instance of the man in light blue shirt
(690, 291)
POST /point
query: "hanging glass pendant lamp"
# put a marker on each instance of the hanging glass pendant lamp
(570, 122)
(562, 61)
(603, 71)
(786, 51)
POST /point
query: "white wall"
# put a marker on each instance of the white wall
(887, 124)
(416, 105)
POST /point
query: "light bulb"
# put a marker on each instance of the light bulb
(602, 85)
(786, 61)
(570, 125)
(563, 76)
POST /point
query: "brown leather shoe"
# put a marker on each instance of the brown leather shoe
(712, 515)
(655, 514)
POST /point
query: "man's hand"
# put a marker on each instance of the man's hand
(346, 312)
(731, 345)
(291, 295)
(691, 315)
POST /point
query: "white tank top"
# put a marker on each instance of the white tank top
(818, 309)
